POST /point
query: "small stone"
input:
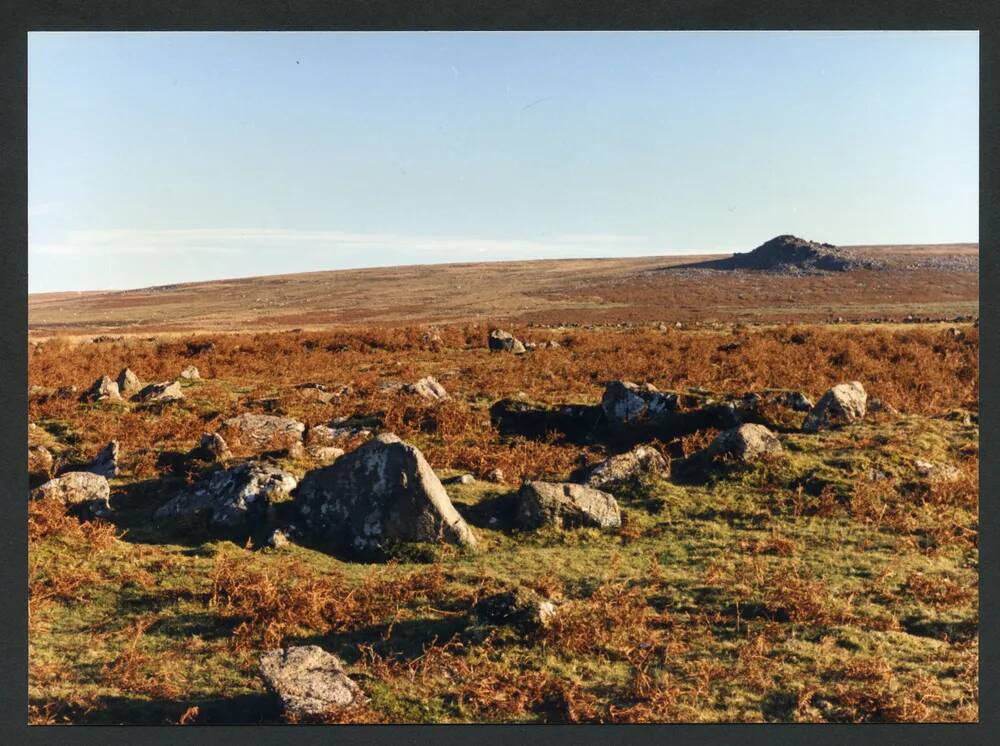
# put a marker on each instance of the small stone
(566, 505)
(128, 382)
(167, 391)
(501, 341)
(103, 389)
(745, 443)
(427, 388)
(496, 476)
(278, 539)
(841, 405)
(190, 373)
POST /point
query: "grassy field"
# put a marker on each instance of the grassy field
(798, 589)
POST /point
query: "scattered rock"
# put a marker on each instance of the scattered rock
(521, 608)
(935, 472)
(190, 373)
(501, 341)
(566, 505)
(78, 489)
(167, 391)
(103, 389)
(105, 463)
(260, 433)
(496, 476)
(382, 492)
(316, 392)
(461, 479)
(324, 453)
(213, 447)
(231, 498)
(128, 382)
(794, 400)
(196, 348)
(875, 404)
(639, 462)
(744, 444)
(308, 681)
(843, 404)
(40, 461)
(427, 388)
(278, 539)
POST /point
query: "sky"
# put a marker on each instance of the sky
(156, 158)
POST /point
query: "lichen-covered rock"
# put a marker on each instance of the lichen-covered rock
(427, 388)
(843, 404)
(324, 453)
(566, 505)
(744, 444)
(164, 392)
(640, 462)
(78, 489)
(103, 389)
(231, 498)
(501, 341)
(308, 681)
(256, 433)
(318, 392)
(625, 404)
(190, 373)
(128, 382)
(382, 492)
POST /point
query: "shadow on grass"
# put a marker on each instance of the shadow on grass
(243, 709)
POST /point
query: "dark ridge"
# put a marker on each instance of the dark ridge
(792, 255)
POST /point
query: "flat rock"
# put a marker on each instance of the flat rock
(258, 433)
(841, 405)
(566, 505)
(308, 681)
(231, 498)
(382, 492)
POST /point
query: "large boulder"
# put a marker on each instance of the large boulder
(843, 404)
(308, 681)
(566, 505)
(382, 492)
(501, 341)
(164, 392)
(426, 388)
(257, 433)
(231, 498)
(744, 444)
(103, 389)
(78, 489)
(640, 462)
(626, 404)
(128, 382)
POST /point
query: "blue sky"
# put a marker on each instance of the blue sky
(167, 157)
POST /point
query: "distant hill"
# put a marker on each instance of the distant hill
(940, 280)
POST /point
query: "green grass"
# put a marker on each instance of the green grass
(733, 637)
